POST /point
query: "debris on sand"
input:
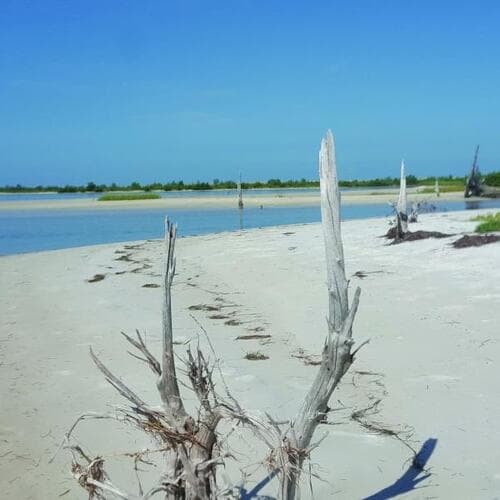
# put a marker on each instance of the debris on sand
(232, 322)
(126, 258)
(308, 359)
(203, 307)
(218, 316)
(475, 240)
(97, 277)
(253, 337)
(255, 356)
(414, 236)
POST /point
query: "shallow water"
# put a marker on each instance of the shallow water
(178, 194)
(38, 230)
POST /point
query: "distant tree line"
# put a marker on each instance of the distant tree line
(492, 179)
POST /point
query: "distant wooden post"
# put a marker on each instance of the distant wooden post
(401, 210)
(240, 194)
(436, 187)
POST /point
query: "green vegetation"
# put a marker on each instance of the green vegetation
(128, 196)
(446, 188)
(445, 183)
(492, 179)
(489, 223)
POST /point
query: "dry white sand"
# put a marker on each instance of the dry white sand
(299, 198)
(431, 311)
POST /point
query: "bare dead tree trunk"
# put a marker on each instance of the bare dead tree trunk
(473, 185)
(337, 356)
(188, 444)
(401, 208)
(240, 194)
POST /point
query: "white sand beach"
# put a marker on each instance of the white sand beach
(431, 313)
(256, 199)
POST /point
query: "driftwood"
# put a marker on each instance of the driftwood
(337, 354)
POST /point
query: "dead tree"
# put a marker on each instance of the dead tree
(401, 207)
(240, 194)
(337, 354)
(188, 443)
(473, 186)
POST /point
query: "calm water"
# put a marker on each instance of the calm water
(174, 194)
(31, 231)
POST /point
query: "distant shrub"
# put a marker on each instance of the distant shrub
(489, 223)
(128, 196)
(492, 179)
(447, 188)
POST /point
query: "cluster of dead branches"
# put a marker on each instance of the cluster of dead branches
(189, 443)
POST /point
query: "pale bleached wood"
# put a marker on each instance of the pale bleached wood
(240, 194)
(337, 356)
(168, 386)
(402, 213)
(330, 217)
(188, 443)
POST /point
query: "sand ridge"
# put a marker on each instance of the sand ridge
(219, 201)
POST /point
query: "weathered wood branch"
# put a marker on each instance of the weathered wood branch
(337, 356)
(167, 383)
(330, 218)
(149, 358)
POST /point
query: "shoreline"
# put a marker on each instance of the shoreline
(214, 202)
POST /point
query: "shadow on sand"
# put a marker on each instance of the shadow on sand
(253, 493)
(409, 480)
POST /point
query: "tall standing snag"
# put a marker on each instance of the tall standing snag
(337, 356)
(401, 209)
(240, 194)
(473, 185)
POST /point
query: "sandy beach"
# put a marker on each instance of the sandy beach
(430, 311)
(220, 201)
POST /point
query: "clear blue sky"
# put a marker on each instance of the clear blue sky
(109, 90)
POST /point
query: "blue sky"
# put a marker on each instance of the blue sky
(196, 90)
